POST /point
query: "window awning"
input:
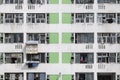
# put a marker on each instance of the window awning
(32, 42)
(32, 47)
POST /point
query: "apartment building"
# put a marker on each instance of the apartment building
(59, 39)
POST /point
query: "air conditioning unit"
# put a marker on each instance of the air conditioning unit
(32, 64)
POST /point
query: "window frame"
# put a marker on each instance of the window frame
(106, 58)
(36, 18)
(9, 56)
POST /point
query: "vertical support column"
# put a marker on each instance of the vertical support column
(95, 47)
(25, 8)
(24, 76)
(95, 76)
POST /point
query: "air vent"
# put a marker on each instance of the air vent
(89, 46)
(101, 46)
(101, 6)
(18, 6)
(101, 66)
(31, 6)
(88, 66)
(18, 46)
(89, 6)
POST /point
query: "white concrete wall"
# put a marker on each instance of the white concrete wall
(60, 28)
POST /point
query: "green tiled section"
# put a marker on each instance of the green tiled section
(66, 77)
(66, 37)
(54, 18)
(66, 18)
(54, 1)
(66, 57)
(66, 1)
(53, 57)
(54, 77)
(54, 38)
(1, 58)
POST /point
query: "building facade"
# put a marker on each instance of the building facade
(59, 39)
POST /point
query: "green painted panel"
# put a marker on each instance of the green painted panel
(66, 77)
(54, 77)
(66, 1)
(54, 38)
(66, 18)
(66, 37)
(54, 1)
(53, 57)
(66, 57)
(54, 18)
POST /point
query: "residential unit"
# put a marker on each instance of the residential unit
(59, 39)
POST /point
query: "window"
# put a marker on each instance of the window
(13, 76)
(106, 57)
(13, 1)
(1, 37)
(13, 38)
(107, 38)
(13, 17)
(106, 18)
(118, 18)
(36, 1)
(84, 18)
(84, 76)
(36, 57)
(1, 18)
(118, 57)
(106, 76)
(36, 18)
(84, 37)
(118, 77)
(1, 58)
(40, 37)
(1, 77)
(84, 1)
(106, 1)
(13, 57)
(118, 38)
(36, 76)
(118, 1)
(84, 58)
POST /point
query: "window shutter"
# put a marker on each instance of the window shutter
(66, 77)
(66, 38)
(66, 2)
(53, 57)
(66, 57)
(54, 1)
(54, 18)
(66, 18)
(54, 77)
(54, 38)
